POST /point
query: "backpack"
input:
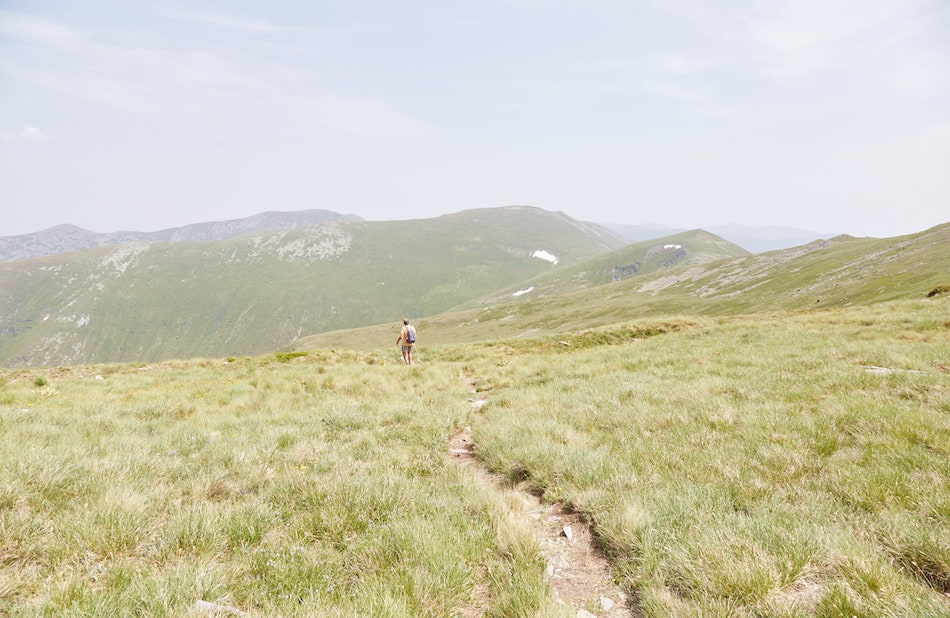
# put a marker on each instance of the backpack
(410, 334)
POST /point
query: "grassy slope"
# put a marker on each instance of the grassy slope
(820, 275)
(732, 466)
(751, 466)
(249, 295)
(635, 260)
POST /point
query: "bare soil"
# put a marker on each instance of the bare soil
(579, 574)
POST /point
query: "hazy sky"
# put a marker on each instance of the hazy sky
(830, 115)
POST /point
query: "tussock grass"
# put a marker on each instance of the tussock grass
(774, 465)
(284, 485)
(754, 466)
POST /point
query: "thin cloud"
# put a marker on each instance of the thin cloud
(802, 37)
(227, 22)
(260, 26)
(43, 32)
(26, 133)
(134, 79)
(217, 85)
(29, 132)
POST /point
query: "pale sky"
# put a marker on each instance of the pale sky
(828, 115)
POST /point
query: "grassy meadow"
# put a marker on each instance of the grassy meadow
(768, 465)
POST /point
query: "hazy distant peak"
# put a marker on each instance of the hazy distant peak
(65, 237)
(752, 239)
(764, 232)
(61, 228)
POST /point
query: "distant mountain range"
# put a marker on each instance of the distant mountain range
(255, 291)
(752, 239)
(66, 238)
(257, 284)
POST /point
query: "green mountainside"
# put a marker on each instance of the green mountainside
(637, 259)
(146, 301)
(839, 272)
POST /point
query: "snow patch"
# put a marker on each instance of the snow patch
(544, 255)
(524, 291)
(672, 246)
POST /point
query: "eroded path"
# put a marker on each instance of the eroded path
(578, 572)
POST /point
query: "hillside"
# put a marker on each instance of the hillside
(639, 259)
(828, 273)
(752, 239)
(146, 301)
(68, 238)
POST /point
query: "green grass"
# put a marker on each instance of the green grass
(843, 272)
(291, 486)
(754, 466)
(735, 466)
(251, 295)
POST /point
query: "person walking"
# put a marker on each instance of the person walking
(407, 338)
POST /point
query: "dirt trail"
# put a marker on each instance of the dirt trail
(579, 573)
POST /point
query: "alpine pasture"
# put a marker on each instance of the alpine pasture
(776, 464)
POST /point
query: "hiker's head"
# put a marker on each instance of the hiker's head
(405, 321)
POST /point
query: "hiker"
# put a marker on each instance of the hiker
(407, 337)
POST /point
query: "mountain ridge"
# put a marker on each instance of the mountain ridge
(65, 238)
(824, 274)
(263, 290)
(752, 239)
(141, 301)
(632, 260)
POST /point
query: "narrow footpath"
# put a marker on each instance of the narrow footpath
(577, 570)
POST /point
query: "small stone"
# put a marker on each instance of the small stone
(606, 604)
(583, 613)
(568, 533)
(478, 403)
